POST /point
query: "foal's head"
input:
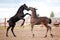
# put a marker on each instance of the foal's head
(25, 7)
(32, 9)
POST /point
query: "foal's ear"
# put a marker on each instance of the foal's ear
(35, 9)
(24, 4)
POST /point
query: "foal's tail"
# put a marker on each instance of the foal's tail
(50, 21)
(7, 20)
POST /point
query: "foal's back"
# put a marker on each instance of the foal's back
(40, 20)
(44, 20)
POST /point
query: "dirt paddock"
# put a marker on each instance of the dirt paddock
(25, 34)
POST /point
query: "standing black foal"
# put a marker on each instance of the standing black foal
(19, 15)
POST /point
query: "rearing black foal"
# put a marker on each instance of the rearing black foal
(19, 15)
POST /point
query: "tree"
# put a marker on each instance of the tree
(52, 14)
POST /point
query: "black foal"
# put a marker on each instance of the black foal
(18, 16)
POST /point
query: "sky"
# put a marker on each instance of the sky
(8, 8)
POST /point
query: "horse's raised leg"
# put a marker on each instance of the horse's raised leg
(13, 31)
(23, 22)
(7, 31)
(47, 30)
(28, 14)
(32, 30)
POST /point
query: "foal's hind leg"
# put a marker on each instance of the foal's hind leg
(23, 22)
(51, 33)
(7, 31)
(13, 31)
(47, 29)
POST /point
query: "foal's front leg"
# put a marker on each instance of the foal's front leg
(32, 29)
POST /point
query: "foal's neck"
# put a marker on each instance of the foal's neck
(21, 9)
(34, 14)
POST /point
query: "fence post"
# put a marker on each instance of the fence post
(5, 22)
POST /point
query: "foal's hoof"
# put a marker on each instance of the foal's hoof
(51, 35)
(6, 35)
(22, 26)
(14, 35)
(45, 36)
(33, 35)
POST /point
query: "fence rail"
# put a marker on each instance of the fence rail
(3, 21)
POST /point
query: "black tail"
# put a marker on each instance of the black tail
(50, 21)
(7, 20)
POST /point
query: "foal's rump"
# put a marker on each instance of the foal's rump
(45, 20)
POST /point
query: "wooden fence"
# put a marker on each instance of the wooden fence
(3, 21)
(27, 21)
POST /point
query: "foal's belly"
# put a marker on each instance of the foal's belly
(37, 23)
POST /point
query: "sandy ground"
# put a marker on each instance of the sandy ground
(26, 34)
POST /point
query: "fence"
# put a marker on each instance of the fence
(3, 22)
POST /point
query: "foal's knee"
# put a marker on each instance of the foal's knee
(50, 28)
(11, 29)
